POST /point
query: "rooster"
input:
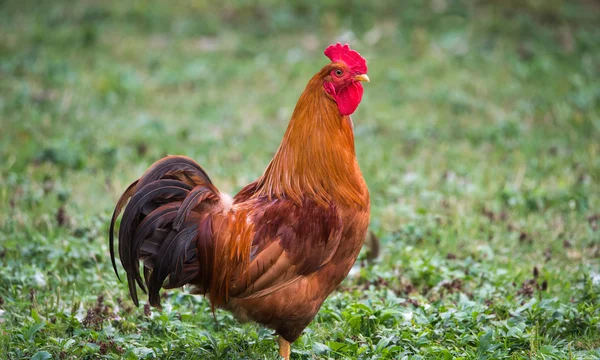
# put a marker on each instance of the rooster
(274, 252)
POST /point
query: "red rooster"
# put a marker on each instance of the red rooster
(274, 252)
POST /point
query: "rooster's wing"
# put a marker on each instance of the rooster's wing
(290, 241)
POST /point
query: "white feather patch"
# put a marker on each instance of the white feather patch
(227, 202)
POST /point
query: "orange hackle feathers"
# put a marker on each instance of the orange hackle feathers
(316, 157)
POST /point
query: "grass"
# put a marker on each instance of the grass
(478, 137)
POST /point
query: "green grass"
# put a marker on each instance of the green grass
(479, 137)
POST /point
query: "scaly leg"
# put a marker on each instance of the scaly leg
(284, 348)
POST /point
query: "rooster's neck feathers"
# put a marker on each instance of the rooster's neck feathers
(316, 158)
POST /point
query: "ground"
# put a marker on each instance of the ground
(478, 137)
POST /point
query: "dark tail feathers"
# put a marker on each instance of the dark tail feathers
(165, 224)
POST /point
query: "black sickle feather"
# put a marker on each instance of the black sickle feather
(157, 227)
(149, 226)
(155, 172)
(151, 245)
(163, 265)
(182, 258)
(111, 232)
(174, 164)
(131, 217)
(194, 198)
(157, 220)
(204, 253)
(173, 189)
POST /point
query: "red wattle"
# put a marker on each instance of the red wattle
(349, 97)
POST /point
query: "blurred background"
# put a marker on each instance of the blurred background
(478, 137)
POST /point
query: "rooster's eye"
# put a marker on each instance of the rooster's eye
(339, 72)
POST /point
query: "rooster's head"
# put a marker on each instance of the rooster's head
(343, 77)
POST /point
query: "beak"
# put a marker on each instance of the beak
(362, 77)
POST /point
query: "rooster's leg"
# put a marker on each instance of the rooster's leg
(284, 348)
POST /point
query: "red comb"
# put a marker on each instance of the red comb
(351, 57)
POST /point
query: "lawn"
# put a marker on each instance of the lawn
(479, 138)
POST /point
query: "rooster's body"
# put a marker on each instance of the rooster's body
(274, 252)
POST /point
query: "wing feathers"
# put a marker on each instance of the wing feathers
(290, 242)
(274, 271)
